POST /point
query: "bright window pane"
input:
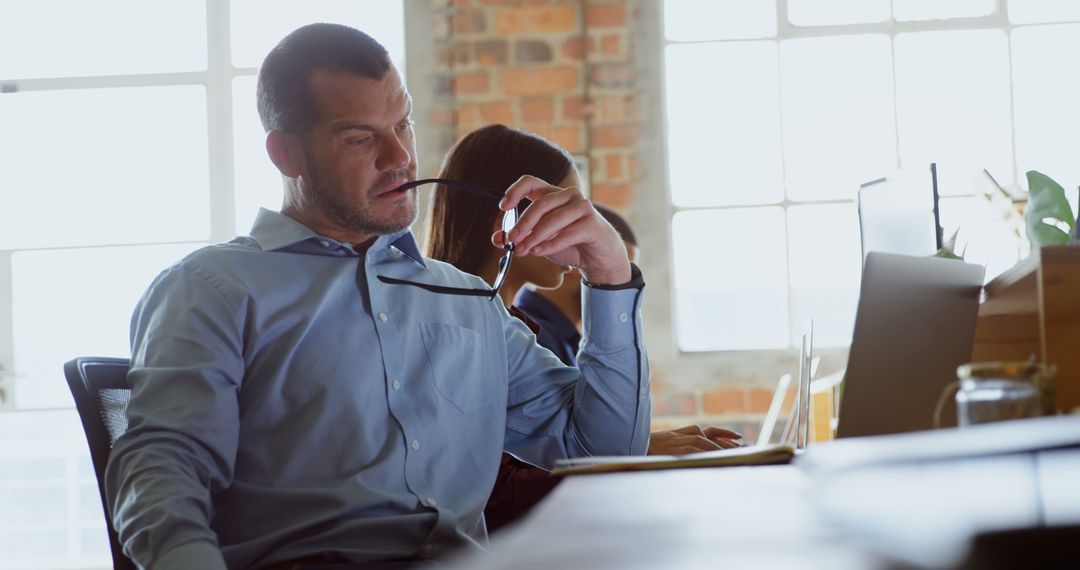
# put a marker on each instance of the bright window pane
(70, 303)
(907, 10)
(731, 270)
(983, 237)
(693, 20)
(258, 182)
(1046, 84)
(1037, 11)
(724, 124)
(837, 12)
(48, 494)
(839, 122)
(825, 262)
(953, 105)
(65, 38)
(258, 25)
(104, 166)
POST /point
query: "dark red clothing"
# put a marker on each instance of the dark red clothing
(519, 486)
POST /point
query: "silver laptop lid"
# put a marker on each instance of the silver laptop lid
(914, 325)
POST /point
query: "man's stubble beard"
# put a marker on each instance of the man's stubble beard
(358, 219)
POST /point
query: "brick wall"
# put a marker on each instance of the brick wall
(576, 72)
(564, 69)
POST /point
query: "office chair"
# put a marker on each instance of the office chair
(99, 386)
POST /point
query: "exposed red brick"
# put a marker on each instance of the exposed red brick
(606, 15)
(538, 109)
(497, 112)
(442, 116)
(574, 49)
(613, 167)
(611, 45)
(759, 400)
(613, 75)
(724, 401)
(517, 81)
(532, 51)
(469, 21)
(615, 136)
(492, 52)
(617, 196)
(567, 137)
(543, 19)
(467, 115)
(471, 83)
(573, 108)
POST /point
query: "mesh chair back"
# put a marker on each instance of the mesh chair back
(99, 386)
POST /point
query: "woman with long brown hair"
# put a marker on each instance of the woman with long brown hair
(460, 229)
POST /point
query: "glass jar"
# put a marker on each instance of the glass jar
(996, 391)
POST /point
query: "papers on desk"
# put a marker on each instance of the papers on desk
(1000, 438)
(755, 455)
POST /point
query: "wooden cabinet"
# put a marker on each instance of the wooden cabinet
(1034, 309)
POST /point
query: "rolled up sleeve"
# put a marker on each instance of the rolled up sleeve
(181, 444)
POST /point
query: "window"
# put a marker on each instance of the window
(774, 118)
(136, 141)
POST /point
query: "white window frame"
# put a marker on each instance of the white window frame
(997, 20)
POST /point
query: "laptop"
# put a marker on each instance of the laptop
(914, 325)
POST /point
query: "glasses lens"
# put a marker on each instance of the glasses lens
(509, 220)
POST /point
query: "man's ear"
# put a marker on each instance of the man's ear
(285, 153)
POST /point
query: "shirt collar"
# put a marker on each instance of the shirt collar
(274, 230)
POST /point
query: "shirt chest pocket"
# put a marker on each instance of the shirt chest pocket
(462, 374)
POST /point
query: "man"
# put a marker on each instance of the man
(292, 404)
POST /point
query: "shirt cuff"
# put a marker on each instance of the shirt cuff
(612, 313)
(636, 281)
(200, 554)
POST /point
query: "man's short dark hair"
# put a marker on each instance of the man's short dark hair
(618, 222)
(284, 95)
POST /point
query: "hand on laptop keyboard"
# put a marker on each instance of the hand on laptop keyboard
(692, 439)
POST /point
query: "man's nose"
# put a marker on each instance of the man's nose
(393, 154)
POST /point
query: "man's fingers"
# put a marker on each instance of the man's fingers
(690, 430)
(569, 236)
(527, 186)
(727, 443)
(540, 211)
(715, 432)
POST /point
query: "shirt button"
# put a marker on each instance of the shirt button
(623, 318)
(395, 253)
(383, 317)
(430, 502)
(324, 243)
(416, 444)
(427, 549)
(397, 385)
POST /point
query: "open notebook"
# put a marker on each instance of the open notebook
(794, 436)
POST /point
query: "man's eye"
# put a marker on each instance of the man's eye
(358, 142)
(405, 125)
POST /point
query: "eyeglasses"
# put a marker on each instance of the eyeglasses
(509, 220)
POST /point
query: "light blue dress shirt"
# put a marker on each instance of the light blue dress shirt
(286, 402)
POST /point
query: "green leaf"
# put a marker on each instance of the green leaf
(947, 254)
(1047, 208)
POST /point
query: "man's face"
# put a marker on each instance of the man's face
(359, 149)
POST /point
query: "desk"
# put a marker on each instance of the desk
(738, 517)
(863, 516)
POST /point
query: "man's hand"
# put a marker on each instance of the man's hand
(692, 439)
(562, 226)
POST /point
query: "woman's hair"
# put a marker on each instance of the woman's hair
(495, 156)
